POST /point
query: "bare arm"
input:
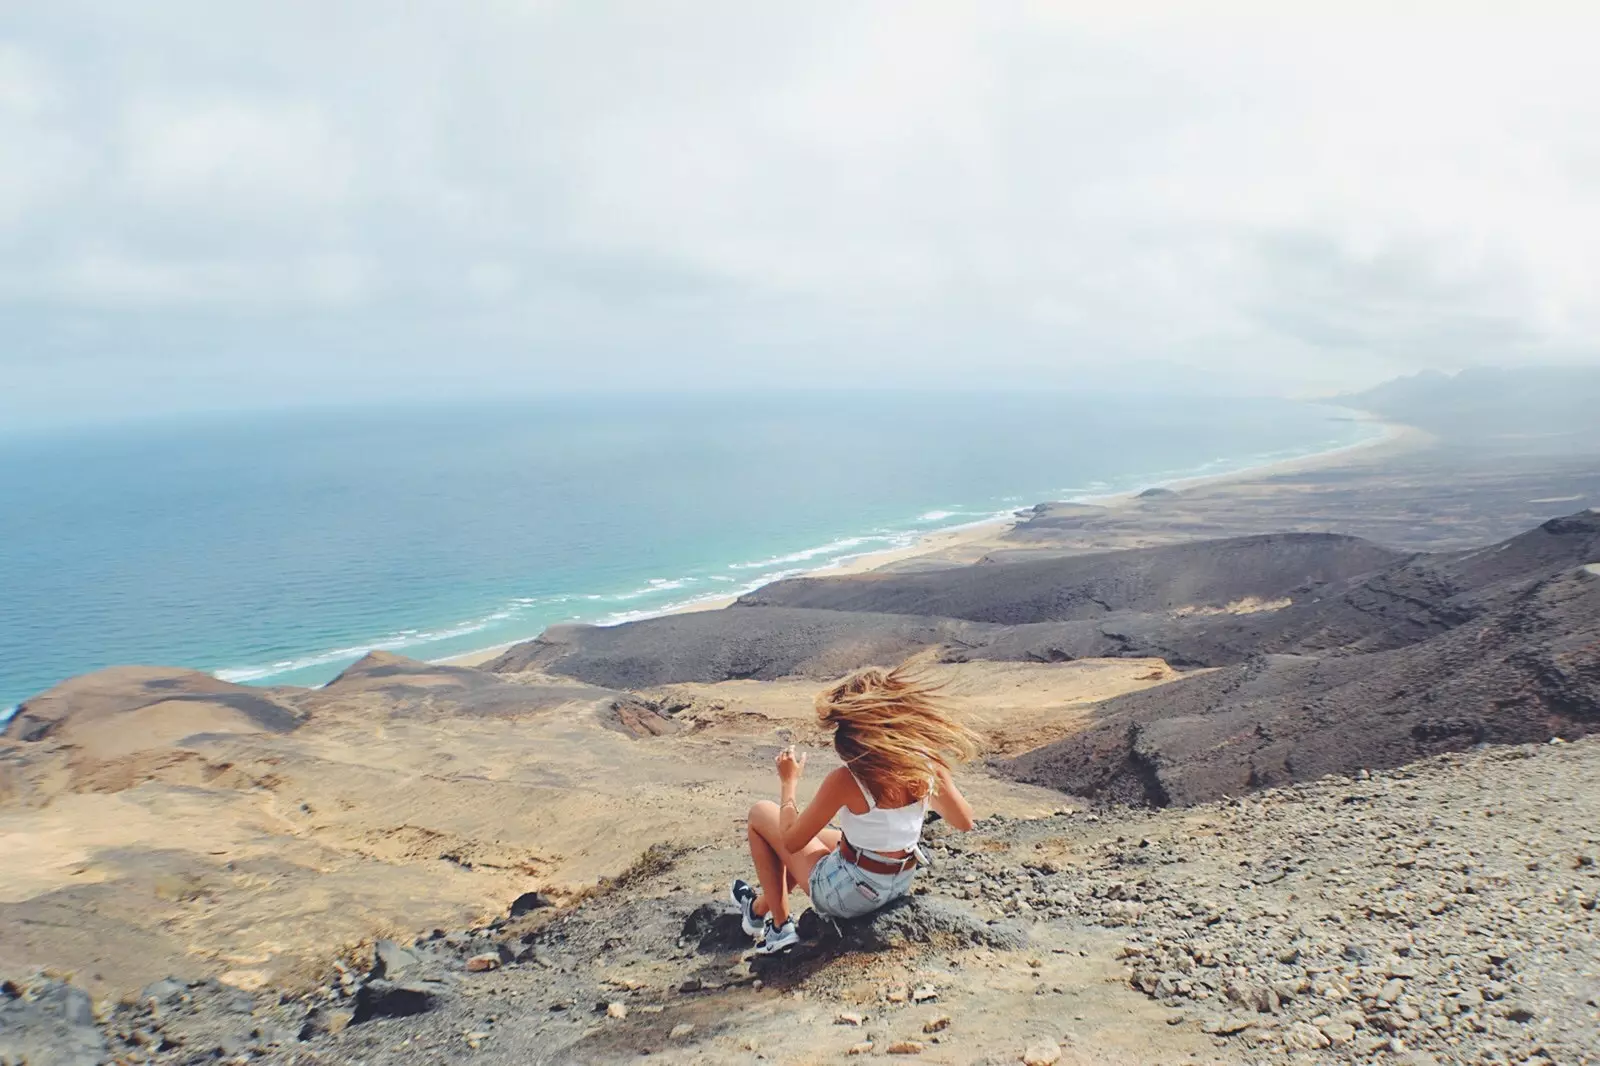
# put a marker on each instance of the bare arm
(949, 802)
(799, 827)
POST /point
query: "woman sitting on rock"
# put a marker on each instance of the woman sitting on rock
(897, 744)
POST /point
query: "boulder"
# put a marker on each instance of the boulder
(392, 962)
(911, 920)
(713, 927)
(389, 999)
(530, 901)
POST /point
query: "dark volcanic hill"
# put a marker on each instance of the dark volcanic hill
(731, 645)
(1520, 663)
(1335, 654)
(1204, 574)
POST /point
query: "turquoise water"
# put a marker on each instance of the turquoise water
(279, 548)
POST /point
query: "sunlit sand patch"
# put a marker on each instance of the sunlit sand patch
(1248, 605)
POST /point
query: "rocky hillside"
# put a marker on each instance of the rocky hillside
(1336, 655)
(1204, 576)
(1444, 913)
(1515, 658)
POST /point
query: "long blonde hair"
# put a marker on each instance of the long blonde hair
(891, 729)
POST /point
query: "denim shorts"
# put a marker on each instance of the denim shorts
(842, 889)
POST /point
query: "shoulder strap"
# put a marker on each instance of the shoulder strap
(866, 793)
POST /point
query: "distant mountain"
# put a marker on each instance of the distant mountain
(1540, 409)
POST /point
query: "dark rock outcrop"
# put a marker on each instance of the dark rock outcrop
(911, 920)
(1521, 672)
(390, 999)
(637, 717)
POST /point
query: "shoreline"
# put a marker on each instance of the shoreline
(933, 541)
(1396, 437)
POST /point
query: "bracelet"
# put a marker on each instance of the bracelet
(788, 803)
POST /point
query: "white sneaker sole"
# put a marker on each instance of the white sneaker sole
(780, 949)
(744, 917)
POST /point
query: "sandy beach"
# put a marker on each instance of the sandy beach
(968, 543)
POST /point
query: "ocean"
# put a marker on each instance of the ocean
(279, 548)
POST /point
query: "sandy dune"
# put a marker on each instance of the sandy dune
(171, 838)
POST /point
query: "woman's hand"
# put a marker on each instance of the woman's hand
(790, 767)
(949, 802)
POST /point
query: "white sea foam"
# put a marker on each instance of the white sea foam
(842, 544)
(749, 575)
(406, 638)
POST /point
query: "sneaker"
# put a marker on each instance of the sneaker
(744, 897)
(778, 938)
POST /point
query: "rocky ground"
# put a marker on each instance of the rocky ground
(1440, 913)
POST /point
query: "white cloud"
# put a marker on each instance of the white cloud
(37, 160)
(710, 192)
(234, 155)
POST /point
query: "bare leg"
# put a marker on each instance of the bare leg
(770, 871)
(778, 868)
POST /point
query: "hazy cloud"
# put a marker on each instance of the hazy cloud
(208, 204)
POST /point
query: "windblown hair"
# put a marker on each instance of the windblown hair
(891, 729)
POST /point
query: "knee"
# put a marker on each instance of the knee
(762, 818)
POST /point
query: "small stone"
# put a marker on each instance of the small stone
(681, 1030)
(896, 994)
(329, 1020)
(1338, 1033)
(1228, 1025)
(616, 1010)
(483, 963)
(475, 1040)
(1304, 1037)
(847, 1017)
(936, 1025)
(1042, 1055)
(863, 1048)
(924, 994)
(906, 1047)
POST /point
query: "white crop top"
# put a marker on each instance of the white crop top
(883, 829)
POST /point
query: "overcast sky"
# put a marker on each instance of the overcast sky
(208, 204)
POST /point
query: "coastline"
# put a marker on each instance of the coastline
(940, 540)
(1397, 438)
(975, 538)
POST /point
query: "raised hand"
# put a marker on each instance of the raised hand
(790, 766)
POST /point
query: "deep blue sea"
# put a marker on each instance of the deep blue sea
(279, 548)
